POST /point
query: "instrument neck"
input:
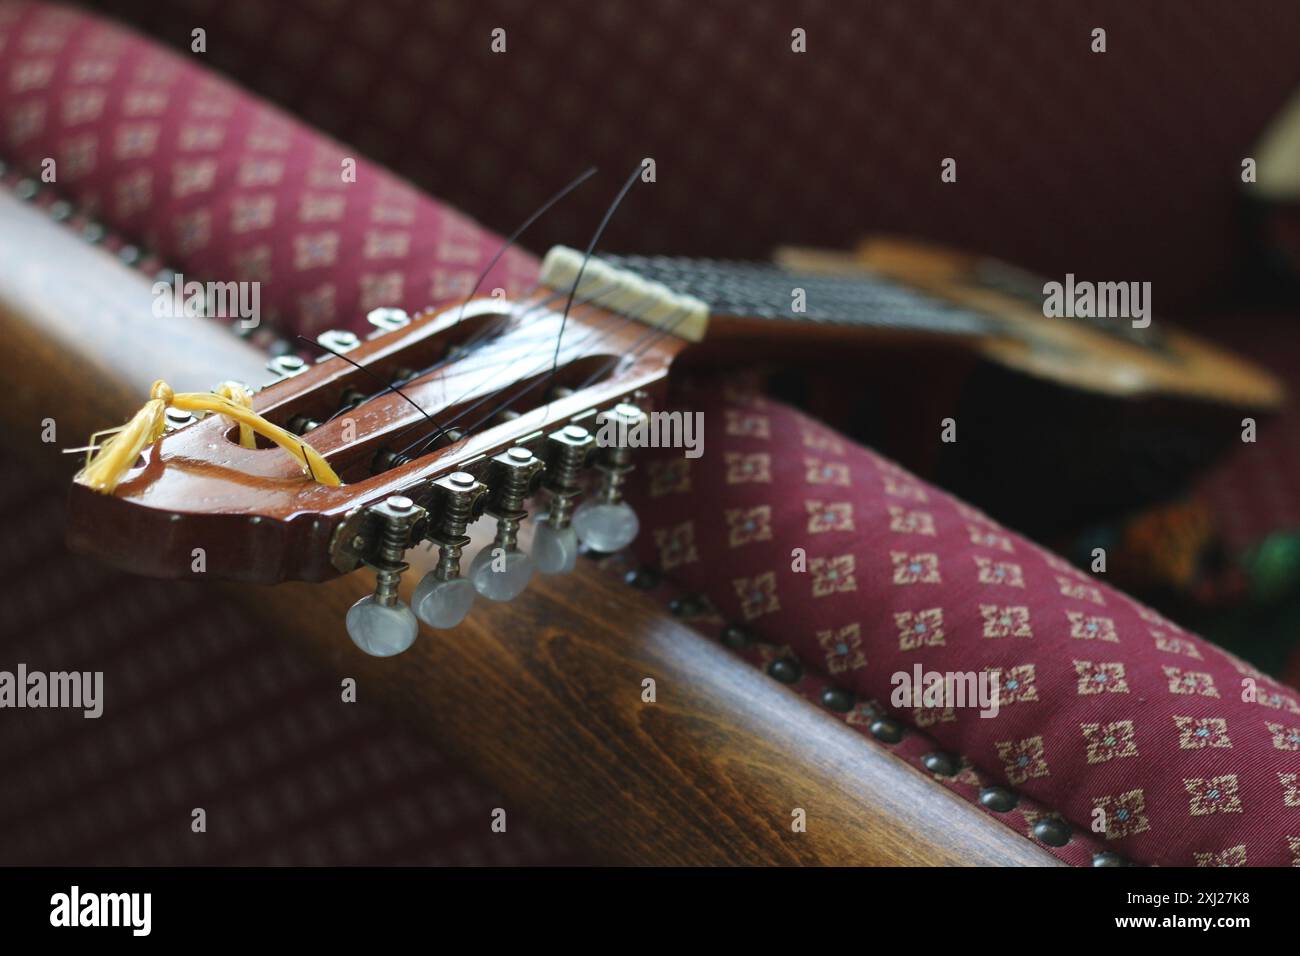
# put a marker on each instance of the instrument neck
(764, 291)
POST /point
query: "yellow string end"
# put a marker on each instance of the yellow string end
(109, 462)
(240, 396)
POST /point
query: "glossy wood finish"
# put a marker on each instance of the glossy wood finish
(262, 520)
(542, 695)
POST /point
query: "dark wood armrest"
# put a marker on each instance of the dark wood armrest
(542, 695)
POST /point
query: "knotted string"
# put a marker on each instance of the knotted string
(243, 397)
(108, 463)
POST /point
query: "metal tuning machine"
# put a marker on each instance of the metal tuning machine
(555, 543)
(443, 597)
(605, 522)
(501, 571)
(380, 623)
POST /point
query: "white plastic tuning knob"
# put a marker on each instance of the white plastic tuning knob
(554, 549)
(379, 630)
(440, 602)
(500, 575)
(605, 527)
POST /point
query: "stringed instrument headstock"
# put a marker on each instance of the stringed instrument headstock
(429, 422)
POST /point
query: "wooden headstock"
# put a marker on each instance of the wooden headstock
(258, 518)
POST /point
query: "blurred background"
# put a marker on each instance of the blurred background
(1118, 164)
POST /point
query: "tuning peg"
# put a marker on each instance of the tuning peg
(501, 571)
(175, 418)
(381, 624)
(286, 366)
(337, 341)
(388, 320)
(606, 522)
(555, 543)
(443, 597)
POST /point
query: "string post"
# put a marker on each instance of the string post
(568, 450)
(398, 514)
(615, 461)
(443, 597)
(555, 543)
(605, 522)
(388, 320)
(501, 571)
(461, 498)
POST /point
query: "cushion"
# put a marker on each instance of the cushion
(222, 186)
(838, 569)
(1112, 143)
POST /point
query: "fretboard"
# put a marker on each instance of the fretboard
(761, 290)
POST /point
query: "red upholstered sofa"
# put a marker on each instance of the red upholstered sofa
(1106, 705)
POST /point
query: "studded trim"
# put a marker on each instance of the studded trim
(912, 744)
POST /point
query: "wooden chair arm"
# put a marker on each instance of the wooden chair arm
(542, 695)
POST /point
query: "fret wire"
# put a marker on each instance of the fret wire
(763, 290)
